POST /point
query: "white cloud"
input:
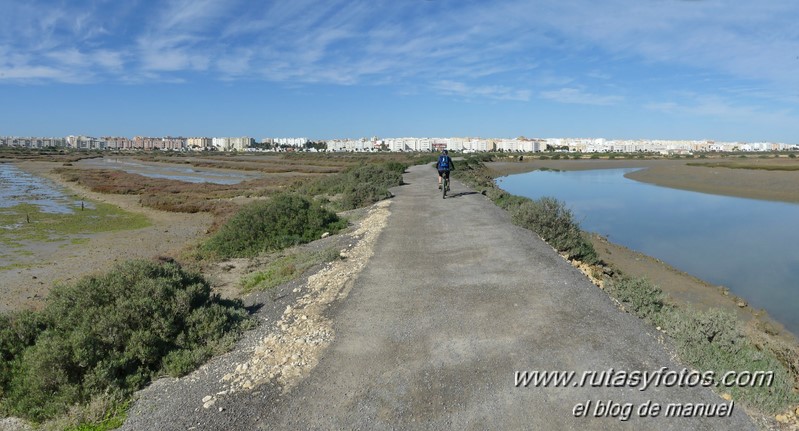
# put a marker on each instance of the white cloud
(190, 14)
(492, 49)
(718, 108)
(25, 72)
(580, 97)
(497, 92)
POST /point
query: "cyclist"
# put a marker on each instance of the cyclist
(444, 165)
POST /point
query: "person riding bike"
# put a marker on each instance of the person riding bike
(444, 165)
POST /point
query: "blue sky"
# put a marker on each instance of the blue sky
(626, 69)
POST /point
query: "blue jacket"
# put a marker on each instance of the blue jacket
(449, 165)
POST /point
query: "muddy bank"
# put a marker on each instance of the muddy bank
(745, 183)
(684, 289)
(502, 168)
(47, 264)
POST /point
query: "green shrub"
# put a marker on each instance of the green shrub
(554, 223)
(395, 167)
(713, 340)
(695, 331)
(18, 332)
(358, 186)
(359, 195)
(638, 295)
(509, 202)
(112, 334)
(283, 221)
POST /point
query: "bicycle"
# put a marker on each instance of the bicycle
(444, 165)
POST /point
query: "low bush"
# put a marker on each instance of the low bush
(639, 296)
(473, 172)
(509, 202)
(712, 340)
(555, 224)
(284, 220)
(394, 166)
(358, 186)
(112, 334)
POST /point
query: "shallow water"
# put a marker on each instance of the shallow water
(170, 171)
(749, 246)
(19, 187)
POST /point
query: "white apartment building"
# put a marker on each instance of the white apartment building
(232, 144)
(85, 142)
(199, 143)
(117, 143)
(349, 145)
(32, 142)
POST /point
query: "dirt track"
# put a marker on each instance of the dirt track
(454, 301)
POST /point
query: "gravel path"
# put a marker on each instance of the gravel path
(453, 302)
(232, 391)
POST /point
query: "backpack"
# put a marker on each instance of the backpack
(443, 163)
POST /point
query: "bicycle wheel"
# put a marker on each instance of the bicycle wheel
(444, 185)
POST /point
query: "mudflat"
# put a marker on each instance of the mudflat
(714, 179)
(46, 264)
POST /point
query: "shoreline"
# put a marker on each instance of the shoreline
(781, 186)
(28, 286)
(684, 289)
(681, 287)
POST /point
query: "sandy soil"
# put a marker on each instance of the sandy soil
(168, 234)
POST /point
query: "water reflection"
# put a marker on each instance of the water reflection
(750, 246)
(171, 171)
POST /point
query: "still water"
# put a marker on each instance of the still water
(169, 171)
(19, 187)
(750, 246)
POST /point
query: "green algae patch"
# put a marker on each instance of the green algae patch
(25, 223)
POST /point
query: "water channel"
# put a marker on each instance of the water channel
(749, 246)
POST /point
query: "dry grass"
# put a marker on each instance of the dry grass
(766, 164)
(178, 196)
(270, 163)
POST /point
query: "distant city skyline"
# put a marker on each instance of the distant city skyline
(412, 144)
(619, 69)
